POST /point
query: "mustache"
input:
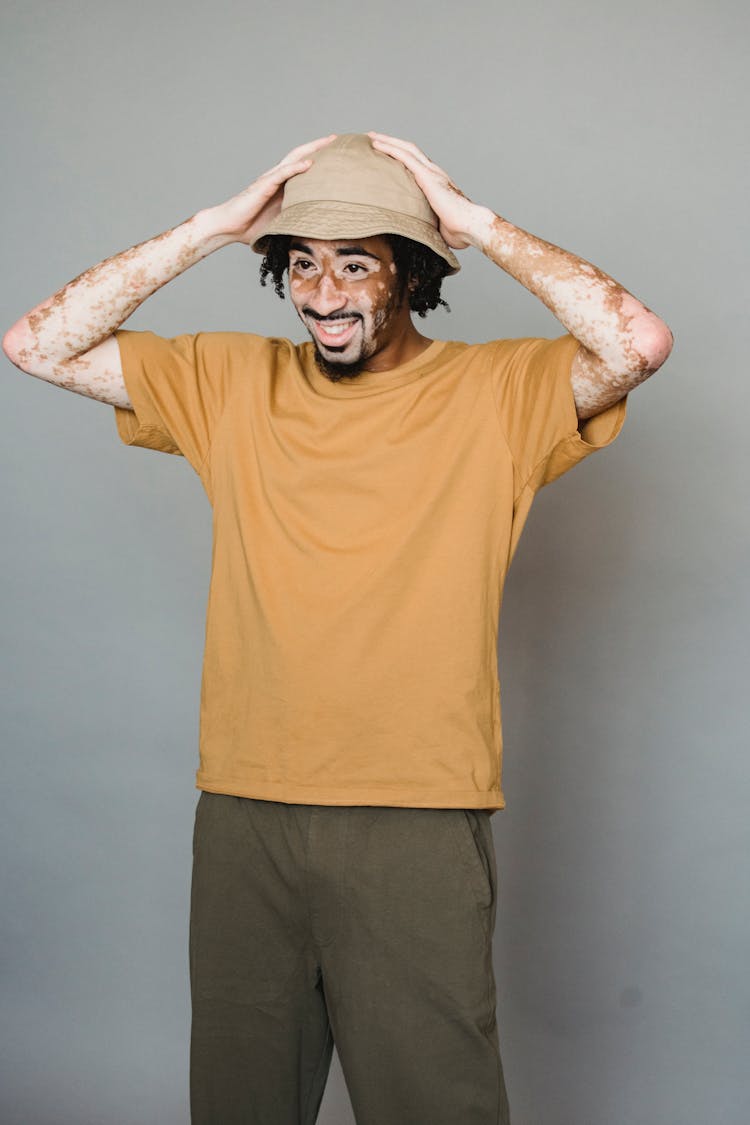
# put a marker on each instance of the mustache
(334, 316)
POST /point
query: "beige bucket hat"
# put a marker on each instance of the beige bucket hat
(353, 191)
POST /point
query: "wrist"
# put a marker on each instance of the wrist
(209, 230)
(479, 226)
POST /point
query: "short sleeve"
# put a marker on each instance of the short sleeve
(177, 387)
(537, 413)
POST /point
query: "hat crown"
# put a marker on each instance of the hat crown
(350, 170)
(352, 191)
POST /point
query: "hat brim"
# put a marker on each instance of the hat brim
(331, 219)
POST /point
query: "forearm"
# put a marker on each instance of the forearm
(95, 304)
(603, 316)
(622, 342)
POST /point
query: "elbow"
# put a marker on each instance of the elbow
(9, 344)
(644, 338)
(19, 349)
(654, 344)
(13, 343)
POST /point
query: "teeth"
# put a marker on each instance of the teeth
(336, 330)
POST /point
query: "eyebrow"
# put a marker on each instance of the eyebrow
(344, 251)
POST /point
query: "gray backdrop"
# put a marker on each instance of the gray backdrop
(613, 131)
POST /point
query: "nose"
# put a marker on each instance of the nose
(327, 298)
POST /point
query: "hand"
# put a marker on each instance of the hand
(454, 211)
(244, 216)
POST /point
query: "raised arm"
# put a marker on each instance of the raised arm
(68, 338)
(621, 341)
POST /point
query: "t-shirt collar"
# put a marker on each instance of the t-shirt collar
(368, 382)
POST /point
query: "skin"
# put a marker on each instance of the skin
(352, 286)
(68, 338)
(621, 341)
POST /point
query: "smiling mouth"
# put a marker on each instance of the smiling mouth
(334, 333)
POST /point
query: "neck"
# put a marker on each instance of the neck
(403, 347)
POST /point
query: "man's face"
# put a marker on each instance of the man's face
(349, 297)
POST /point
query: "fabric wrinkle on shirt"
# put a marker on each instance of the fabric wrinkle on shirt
(363, 531)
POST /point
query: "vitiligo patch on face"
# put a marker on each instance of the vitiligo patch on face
(330, 283)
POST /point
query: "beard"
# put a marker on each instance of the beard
(334, 370)
(340, 369)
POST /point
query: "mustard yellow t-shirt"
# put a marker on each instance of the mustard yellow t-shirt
(362, 534)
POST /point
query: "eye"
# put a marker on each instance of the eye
(301, 264)
(354, 267)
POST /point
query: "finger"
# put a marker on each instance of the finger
(412, 162)
(275, 177)
(393, 140)
(409, 146)
(283, 172)
(392, 146)
(308, 149)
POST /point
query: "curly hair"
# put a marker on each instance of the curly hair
(417, 267)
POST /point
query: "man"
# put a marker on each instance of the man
(369, 488)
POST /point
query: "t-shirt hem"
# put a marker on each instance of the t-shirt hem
(291, 794)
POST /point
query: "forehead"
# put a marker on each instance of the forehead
(376, 245)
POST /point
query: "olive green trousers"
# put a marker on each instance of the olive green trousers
(367, 927)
